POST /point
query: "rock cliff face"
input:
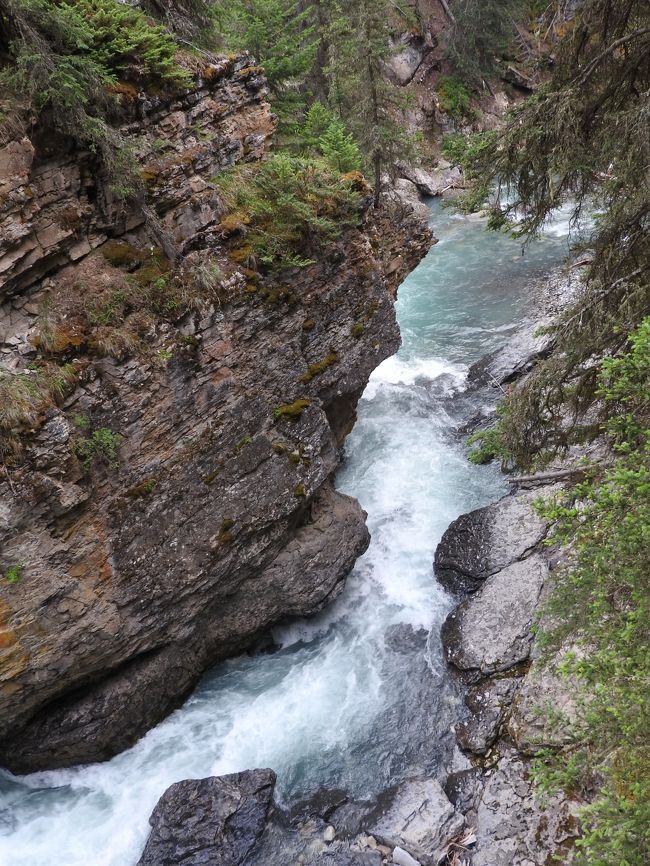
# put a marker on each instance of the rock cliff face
(208, 514)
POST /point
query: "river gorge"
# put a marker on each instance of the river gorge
(359, 697)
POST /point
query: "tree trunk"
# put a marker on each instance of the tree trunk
(377, 164)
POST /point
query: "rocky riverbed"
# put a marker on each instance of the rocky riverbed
(485, 811)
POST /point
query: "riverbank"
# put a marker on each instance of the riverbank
(359, 699)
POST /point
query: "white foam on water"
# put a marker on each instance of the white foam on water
(398, 370)
(308, 710)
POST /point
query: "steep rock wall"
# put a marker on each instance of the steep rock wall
(217, 518)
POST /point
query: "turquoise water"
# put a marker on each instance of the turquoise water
(358, 697)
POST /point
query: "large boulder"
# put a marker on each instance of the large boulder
(209, 822)
(487, 540)
(491, 630)
(419, 819)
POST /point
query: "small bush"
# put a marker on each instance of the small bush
(102, 444)
(294, 206)
(454, 98)
(14, 572)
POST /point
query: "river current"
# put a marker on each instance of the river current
(358, 697)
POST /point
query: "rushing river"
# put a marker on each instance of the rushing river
(356, 698)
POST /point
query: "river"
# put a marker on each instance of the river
(357, 698)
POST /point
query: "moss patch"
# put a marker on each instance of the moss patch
(320, 367)
(291, 410)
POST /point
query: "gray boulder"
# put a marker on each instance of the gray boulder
(420, 819)
(491, 630)
(487, 540)
(209, 822)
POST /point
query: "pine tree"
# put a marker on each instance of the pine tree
(280, 37)
(359, 45)
(317, 121)
(339, 148)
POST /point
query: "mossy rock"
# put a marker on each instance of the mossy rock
(320, 367)
(291, 410)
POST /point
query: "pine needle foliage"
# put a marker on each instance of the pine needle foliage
(601, 604)
(583, 139)
(481, 32)
(372, 108)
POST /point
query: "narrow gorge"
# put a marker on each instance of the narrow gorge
(324, 389)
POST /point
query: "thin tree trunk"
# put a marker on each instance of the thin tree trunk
(377, 164)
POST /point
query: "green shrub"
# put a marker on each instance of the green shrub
(292, 205)
(102, 444)
(454, 98)
(14, 572)
(339, 148)
(601, 601)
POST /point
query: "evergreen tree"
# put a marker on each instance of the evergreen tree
(339, 148)
(359, 43)
(280, 37)
(317, 121)
(480, 33)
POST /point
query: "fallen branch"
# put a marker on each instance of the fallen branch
(551, 476)
(448, 11)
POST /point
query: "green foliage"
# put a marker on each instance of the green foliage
(292, 206)
(482, 32)
(317, 121)
(488, 446)
(464, 151)
(359, 45)
(454, 98)
(291, 410)
(601, 601)
(25, 396)
(339, 148)
(102, 444)
(280, 36)
(64, 60)
(14, 572)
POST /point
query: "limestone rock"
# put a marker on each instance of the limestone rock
(217, 518)
(513, 828)
(403, 65)
(484, 541)
(420, 819)
(408, 193)
(542, 696)
(209, 822)
(435, 181)
(488, 702)
(491, 630)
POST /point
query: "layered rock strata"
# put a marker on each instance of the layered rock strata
(208, 513)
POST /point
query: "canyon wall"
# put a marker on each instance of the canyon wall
(176, 500)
